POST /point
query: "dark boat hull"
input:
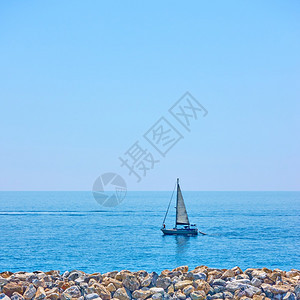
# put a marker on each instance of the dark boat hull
(181, 231)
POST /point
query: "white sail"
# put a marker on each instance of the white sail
(181, 214)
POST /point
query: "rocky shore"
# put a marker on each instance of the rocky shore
(179, 283)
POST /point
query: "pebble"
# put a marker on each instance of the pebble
(92, 296)
(178, 284)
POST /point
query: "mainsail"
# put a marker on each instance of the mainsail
(181, 214)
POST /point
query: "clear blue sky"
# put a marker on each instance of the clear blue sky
(81, 81)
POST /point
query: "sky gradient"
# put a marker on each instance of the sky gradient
(81, 82)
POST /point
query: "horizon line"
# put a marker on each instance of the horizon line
(151, 191)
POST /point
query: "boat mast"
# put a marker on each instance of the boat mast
(169, 206)
(176, 203)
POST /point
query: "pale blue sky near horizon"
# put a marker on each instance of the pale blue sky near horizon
(80, 82)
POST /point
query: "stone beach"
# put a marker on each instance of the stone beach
(180, 283)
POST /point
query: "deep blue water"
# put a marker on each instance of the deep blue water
(70, 230)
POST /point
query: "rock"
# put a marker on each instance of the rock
(83, 287)
(166, 296)
(122, 294)
(242, 276)
(146, 281)
(111, 288)
(238, 294)
(196, 276)
(75, 274)
(211, 291)
(252, 290)
(48, 281)
(179, 295)
(156, 290)
(54, 273)
(198, 295)
(40, 274)
(131, 283)
(12, 287)
(53, 296)
(183, 269)
(218, 281)
(29, 292)
(39, 282)
(71, 292)
(280, 289)
(237, 270)
(65, 285)
(275, 276)
(217, 296)
(234, 286)
(101, 290)
(93, 296)
(258, 297)
(244, 281)
(228, 273)
(66, 274)
(289, 296)
(118, 284)
(292, 273)
(141, 273)
(4, 297)
(200, 275)
(201, 285)
(53, 290)
(182, 284)
(256, 282)
(141, 294)
(165, 273)
(200, 269)
(163, 282)
(16, 296)
(98, 277)
(122, 274)
(50, 293)
(109, 274)
(157, 296)
(218, 289)
(171, 289)
(213, 275)
(188, 289)
(40, 293)
(154, 277)
(259, 274)
(297, 291)
(79, 280)
(228, 295)
(175, 280)
(178, 284)
(275, 289)
(176, 274)
(6, 274)
(268, 280)
(3, 281)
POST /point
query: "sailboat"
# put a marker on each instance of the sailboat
(182, 218)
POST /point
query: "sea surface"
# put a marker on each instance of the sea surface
(70, 230)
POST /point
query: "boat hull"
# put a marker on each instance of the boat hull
(181, 231)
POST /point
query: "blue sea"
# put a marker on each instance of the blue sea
(70, 230)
